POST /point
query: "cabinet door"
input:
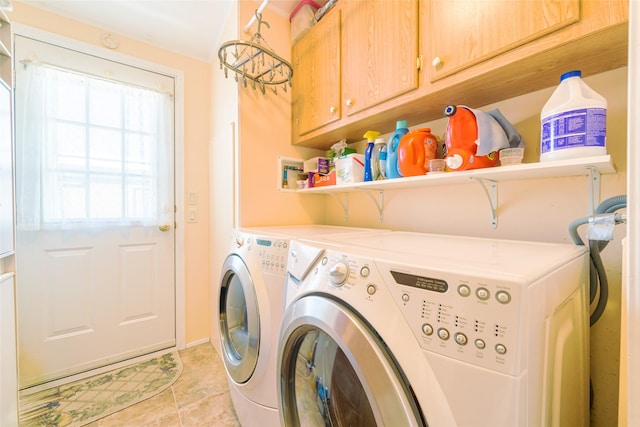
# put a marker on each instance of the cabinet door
(465, 32)
(316, 80)
(379, 51)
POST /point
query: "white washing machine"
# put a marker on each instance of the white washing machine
(250, 307)
(414, 329)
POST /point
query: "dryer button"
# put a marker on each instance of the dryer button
(460, 338)
(371, 289)
(503, 297)
(443, 334)
(464, 290)
(406, 297)
(364, 271)
(480, 344)
(427, 329)
(483, 293)
(501, 349)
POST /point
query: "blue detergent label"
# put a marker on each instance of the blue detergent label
(586, 127)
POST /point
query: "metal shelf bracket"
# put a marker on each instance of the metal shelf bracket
(491, 191)
(379, 203)
(594, 189)
(344, 204)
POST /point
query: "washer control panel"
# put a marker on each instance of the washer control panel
(272, 253)
(346, 276)
(475, 320)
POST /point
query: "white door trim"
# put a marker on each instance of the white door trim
(178, 75)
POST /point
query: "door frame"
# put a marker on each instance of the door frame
(178, 75)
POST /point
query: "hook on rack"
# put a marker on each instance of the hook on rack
(263, 60)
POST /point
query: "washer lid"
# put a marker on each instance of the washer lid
(523, 259)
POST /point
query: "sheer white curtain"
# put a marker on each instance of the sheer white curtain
(90, 152)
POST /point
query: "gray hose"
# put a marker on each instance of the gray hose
(598, 277)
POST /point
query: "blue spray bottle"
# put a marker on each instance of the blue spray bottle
(392, 149)
(371, 136)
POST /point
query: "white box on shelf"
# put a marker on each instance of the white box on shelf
(350, 169)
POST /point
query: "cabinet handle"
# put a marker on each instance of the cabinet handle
(349, 102)
(332, 109)
(437, 62)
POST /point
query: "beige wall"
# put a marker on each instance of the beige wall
(224, 120)
(250, 130)
(265, 134)
(197, 106)
(538, 210)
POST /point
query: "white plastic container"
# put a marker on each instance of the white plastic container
(350, 169)
(302, 18)
(574, 121)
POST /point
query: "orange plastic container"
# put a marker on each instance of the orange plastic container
(461, 137)
(415, 150)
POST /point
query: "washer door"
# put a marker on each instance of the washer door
(239, 320)
(334, 370)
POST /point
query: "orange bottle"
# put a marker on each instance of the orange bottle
(415, 150)
(461, 140)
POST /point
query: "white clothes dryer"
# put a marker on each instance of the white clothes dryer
(414, 329)
(250, 307)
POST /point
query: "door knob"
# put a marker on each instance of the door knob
(164, 227)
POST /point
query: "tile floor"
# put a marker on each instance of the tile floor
(199, 398)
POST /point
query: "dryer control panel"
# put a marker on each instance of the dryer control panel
(272, 253)
(471, 319)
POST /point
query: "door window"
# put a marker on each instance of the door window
(328, 391)
(239, 320)
(91, 152)
(335, 370)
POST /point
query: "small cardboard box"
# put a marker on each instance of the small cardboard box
(317, 164)
(319, 180)
(350, 169)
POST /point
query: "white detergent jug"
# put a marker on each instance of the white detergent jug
(574, 121)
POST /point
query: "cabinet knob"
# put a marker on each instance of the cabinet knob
(332, 109)
(349, 102)
(437, 62)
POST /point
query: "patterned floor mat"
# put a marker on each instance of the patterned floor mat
(81, 402)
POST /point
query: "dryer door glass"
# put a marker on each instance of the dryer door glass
(239, 320)
(334, 371)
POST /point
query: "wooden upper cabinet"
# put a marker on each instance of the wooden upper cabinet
(379, 51)
(486, 51)
(316, 79)
(465, 32)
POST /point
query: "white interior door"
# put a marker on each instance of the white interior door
(95, 211)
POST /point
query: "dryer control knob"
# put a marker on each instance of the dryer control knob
(239, 241)
(339, 273)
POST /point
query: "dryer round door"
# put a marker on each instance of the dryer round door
(335, 370)
(239, 320)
